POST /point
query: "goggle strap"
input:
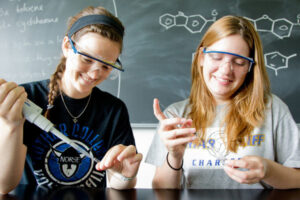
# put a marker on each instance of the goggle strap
(247, 58)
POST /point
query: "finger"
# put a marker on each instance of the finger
(255, 165)
(131, 165)
(100, 165)
(127, 152)
(12, 96)
(246, 177)
(5, 88)
(179, 141)
(12, 104)
(250, 174)
(182, 132)
(136, 158)
(18, 105)
(2, 81)
(110, 157)
(157, 111)
(229, 172)
(172, 123)
(188, 123)
(246, 163)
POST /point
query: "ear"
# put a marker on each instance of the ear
(66, 46)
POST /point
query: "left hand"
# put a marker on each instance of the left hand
(121, 159)
(256, 168)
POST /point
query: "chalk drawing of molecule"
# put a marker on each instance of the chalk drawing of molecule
(281, 28)
(193, 23)
(276, 61)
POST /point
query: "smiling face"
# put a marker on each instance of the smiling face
(224, 80)
(82, 74)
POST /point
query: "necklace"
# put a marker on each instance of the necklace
(75, 118)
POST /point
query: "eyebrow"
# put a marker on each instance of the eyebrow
(83, 53)
(80, 50)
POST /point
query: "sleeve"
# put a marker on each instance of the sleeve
(288, 140)
(122, 131)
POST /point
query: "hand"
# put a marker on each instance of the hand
(121, 159)
(256, 169)
(12, 98)
(174, 132)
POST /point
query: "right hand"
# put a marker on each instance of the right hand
(174, 132)
(12, 98)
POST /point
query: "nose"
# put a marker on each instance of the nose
(226, 67)
(94, 73)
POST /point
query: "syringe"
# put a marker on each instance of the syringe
(32, 113)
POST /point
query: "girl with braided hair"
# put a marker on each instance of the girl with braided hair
(93, 119)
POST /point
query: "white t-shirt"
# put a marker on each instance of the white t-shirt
(277, 139)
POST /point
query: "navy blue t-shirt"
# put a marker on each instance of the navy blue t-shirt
(51, 162)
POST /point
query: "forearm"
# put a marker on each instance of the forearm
(282, 177)
(12, 158)
(118, 183)
(166, 177)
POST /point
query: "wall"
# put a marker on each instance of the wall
(143, 139)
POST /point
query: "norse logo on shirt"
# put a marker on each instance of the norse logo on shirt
(69, 161)
(67, 166)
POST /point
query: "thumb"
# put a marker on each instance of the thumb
(157, 111)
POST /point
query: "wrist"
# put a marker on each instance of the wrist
(174, 163)
(120, 176)
(176, 155)
(266, 165)
(11, 127)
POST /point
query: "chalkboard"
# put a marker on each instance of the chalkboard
(160, 39)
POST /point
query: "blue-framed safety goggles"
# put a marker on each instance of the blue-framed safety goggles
(251, 61)
(117, 65)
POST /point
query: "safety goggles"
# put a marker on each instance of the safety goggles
(117, 65)
(238, 62)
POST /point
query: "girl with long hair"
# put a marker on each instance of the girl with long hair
(231, 132)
